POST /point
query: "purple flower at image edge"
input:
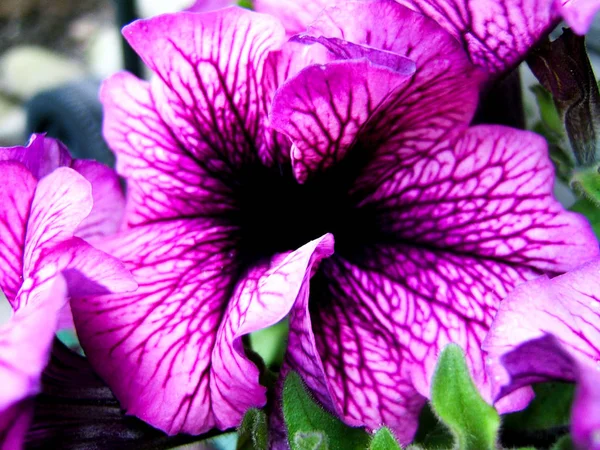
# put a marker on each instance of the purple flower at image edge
(549, 330)
(47, 204)
(497, 34)
(230, 224)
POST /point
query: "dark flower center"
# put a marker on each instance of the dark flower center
(276, 214)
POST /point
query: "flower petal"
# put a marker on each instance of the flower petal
(496, 33)
(147, 150)
(153, 346)
(16, 194)
(208, 87)
(156, 347)
(489, 196)
(108, 199)
(324, 108)
(368, 342)
(294, 15)
(209, 5)
(550, 330)
(62, 200)
(432, 107)
(578, 14)
(25, 344)
(262, 298)
(41, 155)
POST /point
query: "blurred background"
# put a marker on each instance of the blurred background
(46, 45)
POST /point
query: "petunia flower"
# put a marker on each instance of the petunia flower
(549, 329)
(229, 228)
(44, 204)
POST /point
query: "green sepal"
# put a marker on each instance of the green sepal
(245, 4)
(586, 182)
(457, 402)
(383, 439)
(303, 415)
(253, 432)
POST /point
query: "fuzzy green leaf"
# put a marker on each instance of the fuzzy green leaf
(457, 402)
(384, 440)
(303, 415)
(253, 431)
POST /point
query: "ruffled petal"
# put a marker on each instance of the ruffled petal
(156, 347)
(16, 195)
(497, 34)
(578, 14)
(62, 200)
(368, 342)
(324, 109)
(262, 298)
(25, 344)
(108, 200)
(489, 196)
(427, 112)
(550, 330)
(40, 156)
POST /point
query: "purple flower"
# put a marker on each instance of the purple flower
(549, 329)
(44, 206)
(230, 224)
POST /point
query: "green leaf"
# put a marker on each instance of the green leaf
(548, 112)
(550, 408)
(245, 4)
(310, 441)
(564, 443)
(590, 211)
(253, 431)
(384, 440)
(455, 399)
(303, 415)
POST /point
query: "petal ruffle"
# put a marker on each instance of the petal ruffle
(324, 108)
(489, 196)
(432, 107)
(156, 347)
(263, 297)
(16, 194)
(108, 200)
(497, 34)
(550, 330)
(40, 156)
(61, 201)
(368, 343)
